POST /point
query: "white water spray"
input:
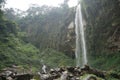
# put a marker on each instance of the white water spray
(81, 57)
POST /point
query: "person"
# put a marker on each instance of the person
(44, 68)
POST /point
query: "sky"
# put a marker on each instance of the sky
(24, 4)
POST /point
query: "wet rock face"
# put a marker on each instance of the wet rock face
(114, 39)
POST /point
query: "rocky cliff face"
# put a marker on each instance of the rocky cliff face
(69, 47)
(114, 40)
(102, 31)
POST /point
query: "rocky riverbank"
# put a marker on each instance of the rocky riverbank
(77, 73)
(62, 73)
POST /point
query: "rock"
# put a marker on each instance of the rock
(52, 71)
(114, 75)
(85, 68)
(7, 73)
(88, 70)
(74, 73)
(92, 78)
(9, 78)
(64, 75)
(3, 78)
(70, 69)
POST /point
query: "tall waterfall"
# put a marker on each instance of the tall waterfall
(81, 57)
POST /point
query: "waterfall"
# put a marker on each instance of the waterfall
(81, 57)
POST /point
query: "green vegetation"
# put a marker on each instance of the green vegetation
(45, 26)
(56, 59)
(24, 38)
(14, 51)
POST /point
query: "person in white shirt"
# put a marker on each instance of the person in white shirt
(44, 68)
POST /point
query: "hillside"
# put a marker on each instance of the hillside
(21, 43)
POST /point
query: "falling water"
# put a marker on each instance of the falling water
(81, 57)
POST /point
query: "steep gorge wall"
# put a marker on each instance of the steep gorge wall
(102, 32)
(51, 29)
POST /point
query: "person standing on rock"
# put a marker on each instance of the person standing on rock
(44, 68)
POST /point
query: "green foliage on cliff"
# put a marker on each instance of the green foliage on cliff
(13, 50)
(24, 37)
(45, 27)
